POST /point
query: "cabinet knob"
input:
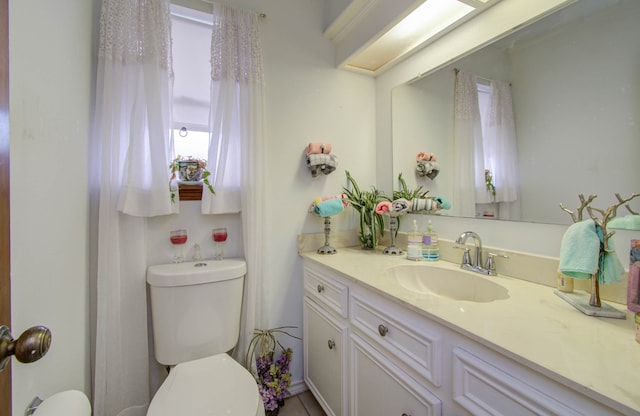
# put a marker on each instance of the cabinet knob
(320, 288)
(404, 414)
(331, 344)
(383, 330)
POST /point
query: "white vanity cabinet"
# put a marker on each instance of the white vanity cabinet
(325, 332)
(369, 353)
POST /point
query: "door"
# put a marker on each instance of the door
(5, 269)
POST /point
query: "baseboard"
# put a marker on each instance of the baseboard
(297, 387)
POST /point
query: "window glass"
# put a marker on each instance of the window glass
(193, 143)
(191, 42)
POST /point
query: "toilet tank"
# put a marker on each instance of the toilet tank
(195, 308)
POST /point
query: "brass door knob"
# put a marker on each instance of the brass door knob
(30, 346)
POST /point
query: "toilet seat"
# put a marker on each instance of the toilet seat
(215, 385)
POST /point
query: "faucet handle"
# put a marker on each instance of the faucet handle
(491, 264)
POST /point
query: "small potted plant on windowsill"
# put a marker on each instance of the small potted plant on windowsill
(189, 170)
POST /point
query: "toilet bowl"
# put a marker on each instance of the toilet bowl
(65, 403)
(215, 385)
(195, 311)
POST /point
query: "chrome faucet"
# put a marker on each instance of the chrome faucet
(476, 266)
(466, 260)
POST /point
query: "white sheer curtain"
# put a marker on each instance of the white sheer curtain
(132, 146)
(236, 147)
(501, 155)
(469, 160)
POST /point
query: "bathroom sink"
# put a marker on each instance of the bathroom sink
(447, 283)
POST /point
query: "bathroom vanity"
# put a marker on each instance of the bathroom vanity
(383, 335)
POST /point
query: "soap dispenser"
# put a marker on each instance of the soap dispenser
(430, 247)
(414, 244)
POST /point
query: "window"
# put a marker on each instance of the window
(191, 42)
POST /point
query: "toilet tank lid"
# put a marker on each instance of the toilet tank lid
(195, 272)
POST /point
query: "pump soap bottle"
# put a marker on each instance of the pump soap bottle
(414, 244)
(430, 247)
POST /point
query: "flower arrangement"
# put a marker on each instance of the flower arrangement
(488, 179)
(189, 169)
(272, 374)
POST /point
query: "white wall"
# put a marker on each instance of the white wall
(51, 85)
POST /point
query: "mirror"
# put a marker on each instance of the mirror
(575, 78)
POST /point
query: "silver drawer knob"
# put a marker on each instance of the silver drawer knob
(331, 344)
(383, 330)
(320, 288)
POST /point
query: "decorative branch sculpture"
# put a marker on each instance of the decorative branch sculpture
(583, 204)
(606, 215)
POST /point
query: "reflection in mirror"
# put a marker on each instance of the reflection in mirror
(575, 78)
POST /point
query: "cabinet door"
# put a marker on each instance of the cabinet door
(381, 388)
(325, 370)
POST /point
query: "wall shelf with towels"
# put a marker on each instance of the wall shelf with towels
(319, 159)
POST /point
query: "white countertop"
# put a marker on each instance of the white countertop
(533, 326)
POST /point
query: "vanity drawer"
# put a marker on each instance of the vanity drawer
(327, 291)
(381, 388)
(486, 384)
(406, 335)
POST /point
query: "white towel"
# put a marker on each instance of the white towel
(321, 163)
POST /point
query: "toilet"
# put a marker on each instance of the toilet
(195, 312)
(65, 403)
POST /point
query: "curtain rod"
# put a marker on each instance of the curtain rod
(478, 76)
(260, 14)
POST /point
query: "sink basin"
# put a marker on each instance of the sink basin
(448, 283)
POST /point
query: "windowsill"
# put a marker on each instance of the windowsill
(190, 192)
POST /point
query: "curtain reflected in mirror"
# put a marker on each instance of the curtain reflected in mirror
(486, 166)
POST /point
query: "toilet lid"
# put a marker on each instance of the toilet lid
(215, 385)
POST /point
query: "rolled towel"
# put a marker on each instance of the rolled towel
(329, 207)
(317, 163)
(331, 164)
(318, 148)
(318, 160)
(426, 156)
(342, 197)
(384, 207)
(442, 203)
(428, 169)
(401, 205)
(423, 204)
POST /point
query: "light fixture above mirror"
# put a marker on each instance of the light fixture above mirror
(370, 36)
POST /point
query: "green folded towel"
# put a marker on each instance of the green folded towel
(580, 256)
(579, 250)
(629, 222)
(610, 270)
